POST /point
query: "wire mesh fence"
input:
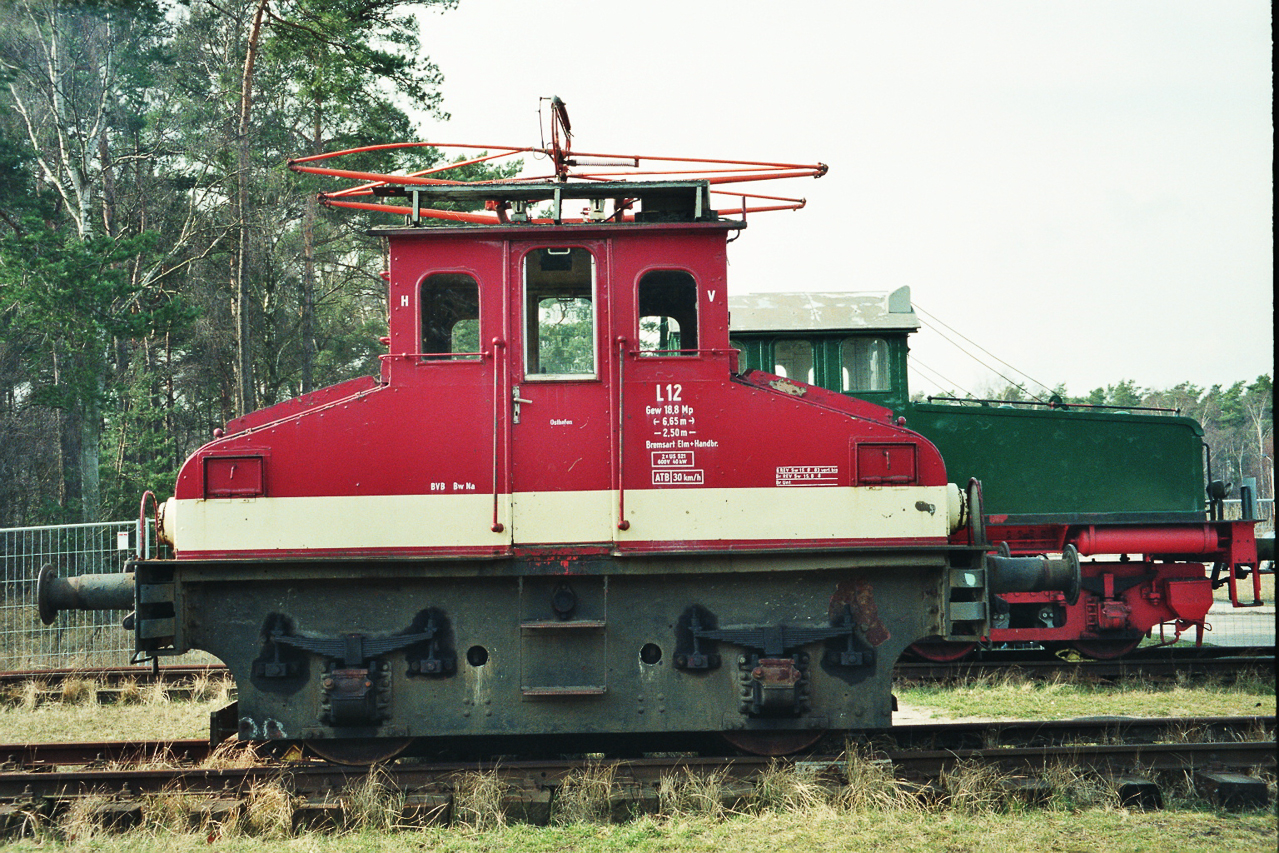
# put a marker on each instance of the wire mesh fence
(78, 638)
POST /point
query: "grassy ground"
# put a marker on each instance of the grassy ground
(1003, 697)
(142, 714)
(812, 827)
(789, 813)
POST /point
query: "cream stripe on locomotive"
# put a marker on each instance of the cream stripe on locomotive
(400, 522)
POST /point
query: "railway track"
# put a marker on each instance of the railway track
(1159, 663)
(1155, 663)
(39, 780)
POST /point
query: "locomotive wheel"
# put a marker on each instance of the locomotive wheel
(940, 651)
(359, 752)
(773, 743)
(1104, 649)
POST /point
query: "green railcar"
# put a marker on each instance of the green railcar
(1037, 463)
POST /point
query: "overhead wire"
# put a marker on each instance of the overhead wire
(918, 366)
(1019, 386)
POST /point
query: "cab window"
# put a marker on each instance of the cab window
(559, 313)
(667, 313)
(794, 360)
(864, 364)
(450, 305)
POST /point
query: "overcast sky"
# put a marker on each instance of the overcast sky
(1082, 188)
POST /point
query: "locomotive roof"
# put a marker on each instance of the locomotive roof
(659, 201)
(795, 312)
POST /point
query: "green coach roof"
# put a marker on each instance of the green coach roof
(793, 312)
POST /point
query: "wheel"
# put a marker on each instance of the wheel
(940, 651)
(1105, 649)
(774, 743)
(359, 752)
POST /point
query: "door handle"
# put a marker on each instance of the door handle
(516, 399)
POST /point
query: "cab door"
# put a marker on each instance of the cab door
(561, 403)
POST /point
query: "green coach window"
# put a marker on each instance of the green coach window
(794, 360)
(864, 364)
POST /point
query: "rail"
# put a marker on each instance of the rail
(41, 779)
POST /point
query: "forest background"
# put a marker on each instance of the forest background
(161, 271)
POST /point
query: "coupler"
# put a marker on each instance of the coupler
(84, 592)
(1036, 574)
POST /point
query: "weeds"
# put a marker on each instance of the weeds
(82, 821)
(790, 789)
(30, 694)
(372, 805)
(870, 784)
(974, 788)
(129, 693)
(1074, 790)
(231, 754)
(78, 691)
(268, 812)
(477, 800)
(585, 795)
(167, 812)
(693, 794)
(207, 686)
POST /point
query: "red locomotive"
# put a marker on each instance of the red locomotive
(561, 514)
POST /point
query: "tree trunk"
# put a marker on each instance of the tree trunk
(244, 401)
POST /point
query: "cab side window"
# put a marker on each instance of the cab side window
(667, 313)
(450, 304)
(559, 312)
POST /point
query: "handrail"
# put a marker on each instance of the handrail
(1053, 405)
(143, 551)
(498, 384)
(622, 523)
(439, 357)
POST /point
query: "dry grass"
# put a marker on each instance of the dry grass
(166, 812)
(372, 805)
(585, 795)
(869, 784)
(81, 823)
(975, 788)
(231, 754)
(693, 794)
(477, 800)
(32, 712)
(267, 813)
(1008, 695)
(130, 693)
(78, 691)
(790, 789)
